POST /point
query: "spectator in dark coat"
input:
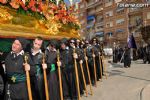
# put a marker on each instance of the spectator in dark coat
(127, 57)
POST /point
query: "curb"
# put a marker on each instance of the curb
(145, 93)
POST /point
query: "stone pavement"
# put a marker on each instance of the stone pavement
(123, 83)
(145, 93)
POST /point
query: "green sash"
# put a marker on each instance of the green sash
(53, 68)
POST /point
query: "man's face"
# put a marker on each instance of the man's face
(37, 44)
(16, 46)
(72, 44)
(63, 46)
(51, 47)
(94, 42)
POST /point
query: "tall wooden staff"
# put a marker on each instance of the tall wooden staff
(59, 75)
(45, 79)
(100, 63)
(94, 64)
(83, 77)
(102, 57)
(28, 79)
(76, 73)
(87, 68)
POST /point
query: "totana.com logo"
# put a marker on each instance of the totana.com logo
(132, 5)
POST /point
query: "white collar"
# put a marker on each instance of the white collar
(34, 53)
(20, 53)
(51, 49)
(67, 48)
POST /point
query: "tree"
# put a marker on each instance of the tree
(145, 31)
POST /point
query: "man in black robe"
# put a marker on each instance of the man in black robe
(127, 57)
(37, 80)
(2, 73)
(96, 49)
(148, 53)
(80, 54)
(66, 60)
(16, 87)
(52, 77)
(89, 55)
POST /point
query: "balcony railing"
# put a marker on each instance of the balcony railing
(94, 3)
(90, 3)
(100, 23)
(108, 4)
(99, 29)
(134, 9)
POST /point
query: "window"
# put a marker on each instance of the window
(99, 8)
(81, 14)
(120, 21)
(82, 22)
(109, 24)
(109, 13)
(134, 9)
(120, 10)
(90, 22)
(148, 1)
(138, 21)
(116, 1)
(91, 11)
(148, 15)
(108, 3)
(99, 19)
(82, 6)
(100, 27)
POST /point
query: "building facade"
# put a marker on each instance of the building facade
(111, 23)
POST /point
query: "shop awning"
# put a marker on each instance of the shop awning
(119, 30)
(90, 17)
(109, 33)
(99, 33)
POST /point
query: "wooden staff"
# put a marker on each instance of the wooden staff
(77, 77)
(83, 78)
(94, 64)
(47, 2)
(100, 63)
(102, 57)
(28, 79)
(59, 75)
(45, 79)
(87, 68)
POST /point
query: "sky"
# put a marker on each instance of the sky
(68, 1)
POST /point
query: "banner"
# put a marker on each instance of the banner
(131, 41)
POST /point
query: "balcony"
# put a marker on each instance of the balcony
(90, 12)
(109, 14)
(109, 25)
(90, 3)
(120, 11)
(94, 3)
(99, 33)
(99, 23)
(82, 6)
(99, 29)
(120, 36)
(108, 4)
(116, 1)
(135, 9)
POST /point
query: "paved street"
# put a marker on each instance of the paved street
(122, 83)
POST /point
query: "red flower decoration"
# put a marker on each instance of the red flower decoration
(23, 5)
(3, 1)
(15, 4)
